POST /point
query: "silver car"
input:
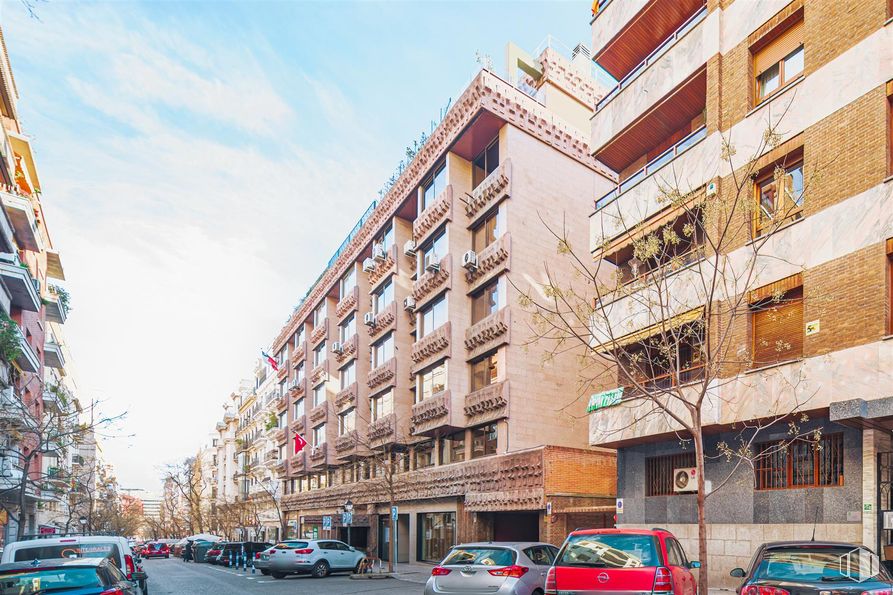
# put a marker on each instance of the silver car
(500, 568)
(262, 562)
(316, 557)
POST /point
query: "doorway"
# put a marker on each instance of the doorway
(885, 508)
(516, 526)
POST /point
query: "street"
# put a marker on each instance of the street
(175, 577)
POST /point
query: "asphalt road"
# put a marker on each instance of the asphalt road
(173, 576)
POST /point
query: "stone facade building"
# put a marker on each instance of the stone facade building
(694, 74)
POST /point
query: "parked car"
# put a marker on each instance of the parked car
(229, 553)
(214, 552)
(156, 550)
(253, 549)
(316, 557)
(86, 576)
(506, 568)
(614, 560)
(262, 559)
(802, 567)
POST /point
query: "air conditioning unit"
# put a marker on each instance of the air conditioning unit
(409, 248)
(369, 319)
(432, 262)
(337, 347)
(470, 261)
(378, 252)
(409, 303)
(368, 265)
(685, 480)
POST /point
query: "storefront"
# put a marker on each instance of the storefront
(437, 534)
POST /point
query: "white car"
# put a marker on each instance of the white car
(116, 549)
(316, 557)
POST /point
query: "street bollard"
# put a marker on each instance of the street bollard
(253, 571)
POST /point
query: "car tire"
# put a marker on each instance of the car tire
(277, 575)
(320, 569)
(265, 572)
(167, 556)
(356, 569)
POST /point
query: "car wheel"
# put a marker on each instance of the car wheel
(277, 575)
(167, 556)
(356, 569)
(320, 569)
(265, 572)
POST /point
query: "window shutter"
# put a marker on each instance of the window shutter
(778, 48)
(778, 329)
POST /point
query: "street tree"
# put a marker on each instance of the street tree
(185, 478)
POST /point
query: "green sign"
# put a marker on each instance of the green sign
(609, 398)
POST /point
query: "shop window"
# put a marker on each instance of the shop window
(484, 371)
(659, 472)
(487, 231)
(431, 381)
(778, 60)
(777, 322)
(800, 463)
(432, 187)
(483, 441)
(432, 316)
(485, 164)
(437, 534)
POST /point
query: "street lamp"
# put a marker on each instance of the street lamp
(83, 522)
(348, 508)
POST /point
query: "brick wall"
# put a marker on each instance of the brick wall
(576, 471)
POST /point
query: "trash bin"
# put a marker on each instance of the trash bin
(200, 549)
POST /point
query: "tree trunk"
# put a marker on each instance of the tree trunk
(702, 512)
(23, 495)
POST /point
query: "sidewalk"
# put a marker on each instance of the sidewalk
(413, 572)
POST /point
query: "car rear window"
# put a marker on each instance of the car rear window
(48, 581)
(69, 550)
(288, 545)
(818, 564)
(485, 556)
(609, 550)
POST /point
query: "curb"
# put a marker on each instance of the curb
(370, 576)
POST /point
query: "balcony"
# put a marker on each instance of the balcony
(492, 261)
(431, 415)
(278, 436)
(317, 456)
(297, 426)
(27, 359)
(488, 403)
(52, 356)
(11, 407)
(319, 374)
(297, 356)
(297, 463)
(346, 445)
(281, 403)
(348, 303)
(21, 215)
(430, 281)
(282, 372)
(382, 431)
(432, 347)
(319, 333)
(319, 413)
(489, 333)
(281, 467)
(384, 320)
(56, 304)
(24, 290)
(52, 402)
(495, 187)
(348, 350)
(440, 211)
(297, 387)
(346, 398)
(382, 376)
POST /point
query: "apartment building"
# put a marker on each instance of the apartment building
(406, 365)
(816, 322)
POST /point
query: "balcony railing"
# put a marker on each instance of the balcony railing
(652, 166)
(667, 381)
(669, 42)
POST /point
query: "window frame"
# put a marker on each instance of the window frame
(441, 301)
(350, 276)
(348, 372)
(498, 289)
(374, 348)
(492, 360)
(299, 404)
(765, 305)
(659, 472)
(319, 354)
(487, 441)
(827, 443)
(497, 218)
(317, 432)
(347, 421)
(380, 293)
(770, 178)
(428, 248)
(348, 328)
(428, 373)
(430, 181)
(488, 167)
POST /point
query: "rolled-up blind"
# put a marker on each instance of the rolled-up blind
(778, 48)
(778, 329)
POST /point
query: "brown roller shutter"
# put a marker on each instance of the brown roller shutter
(778, 329)
(778, 48)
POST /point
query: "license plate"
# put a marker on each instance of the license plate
(265, 557)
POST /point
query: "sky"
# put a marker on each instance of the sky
(201, 161)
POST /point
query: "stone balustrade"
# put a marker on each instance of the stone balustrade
(430, 413)
(346, 398)
(430, 281)
(491, 191)
(432, 217)
(487, 403)
(348, 303)
(491, 332)
(492, 260)
(382, 375)
(431, 347)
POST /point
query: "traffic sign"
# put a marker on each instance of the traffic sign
(326, 523)
(346, 518)
(394, 513)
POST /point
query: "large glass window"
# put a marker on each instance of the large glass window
(424, 454)
(383, 350)
(800, 463)
(452, 448)
(437, 534)
(383, 296)
(487, 300)
(348, 282)
(347, 421)
(299, 373)
(433, 250)
(432, 187)
(431, 381)
(319, 315)
(347, 329)
(483, 441)
(319, 354)
(299, 337)
(319, 435)
(433, 315)
(299, 409)
(348, 374)
(382, 405)
(485, 164)
(487, 231)
(386, 237)
(319, 394)
(778, 61)
(484, 371)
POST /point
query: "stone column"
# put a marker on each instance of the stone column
(873, 442)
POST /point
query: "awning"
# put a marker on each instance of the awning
(648, 226)
(663, 325)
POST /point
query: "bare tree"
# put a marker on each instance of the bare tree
(114, 513)
(186, 480)
(659, 311)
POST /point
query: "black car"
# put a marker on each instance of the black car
(805, 567)
(240, 552)
(86, 576)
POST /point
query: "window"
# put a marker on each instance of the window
(383, 350)
(800, 463)
(386, 238)
(319, 354)
(319, 394)
(347, 421)
(319, 435)
(282, 421)
(779, 197)
(483, 441)
(890, 286)
(432, 187)
(431, 381)
(777, 325)
(382, 405)
(299, 373)
(348, 282)
(299, 409)
(484, 371)
(299, 337)
(424, 454)
(348, 374)
(487, 231)
(778, 61)
(434, 315)
(485, 164)
(347, 329)
(452, 448)
(488, 300)
(319, 315)
(659, 472)
(383, 296)
(433, 250)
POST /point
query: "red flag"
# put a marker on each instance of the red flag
(270, 360)
(300, 443)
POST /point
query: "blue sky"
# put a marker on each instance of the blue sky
(201, 161)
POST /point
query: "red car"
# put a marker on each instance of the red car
(621, 560)
(156, 550)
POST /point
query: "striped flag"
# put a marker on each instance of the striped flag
(270, 360)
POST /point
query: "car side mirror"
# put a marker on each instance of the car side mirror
(138, 576)
(737, 573)
(694, 564)
(352, 548)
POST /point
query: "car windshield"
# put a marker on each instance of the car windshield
(47, 581)
(69, 550)
(485, 556)
(287, 545)
(609, 550)
(818, 564)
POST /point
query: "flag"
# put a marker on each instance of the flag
(270, 360)
(300, 443)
